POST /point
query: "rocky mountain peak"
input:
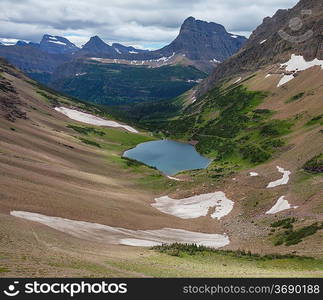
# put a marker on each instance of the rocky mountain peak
(95, 42)
(205, 41)
(97, 47)
(57, 45)
(192, 24)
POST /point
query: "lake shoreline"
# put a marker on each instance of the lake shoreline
(187, 158)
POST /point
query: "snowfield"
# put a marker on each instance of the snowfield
(174, 178)
(90, 119)
(281, 204)
(57, 42)
(195, 206)
(118, 51)
(238, 80)
(285, 79)
(297, 63)
(117, 235)
(164, 58)
(283, 180)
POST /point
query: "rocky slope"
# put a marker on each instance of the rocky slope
(289, 31)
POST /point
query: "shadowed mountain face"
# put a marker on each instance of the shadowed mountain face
(30, 58)
(97, 48)
(57, 45)
(200, 40)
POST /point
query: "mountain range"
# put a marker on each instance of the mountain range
(55, 61)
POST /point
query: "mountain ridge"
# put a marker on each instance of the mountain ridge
(274, 41)
(207, 43)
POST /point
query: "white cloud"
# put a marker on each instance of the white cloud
(141, 22)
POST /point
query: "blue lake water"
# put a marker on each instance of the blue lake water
(169, 157)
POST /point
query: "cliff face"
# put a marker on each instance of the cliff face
(200, 40)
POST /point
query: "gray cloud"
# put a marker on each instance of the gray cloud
(142, 22)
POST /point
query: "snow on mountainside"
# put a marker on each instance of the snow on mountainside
(57, 45)
(295, 31)
(201, 44)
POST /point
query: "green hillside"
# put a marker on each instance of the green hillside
(116, 84)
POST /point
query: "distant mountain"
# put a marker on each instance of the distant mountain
(121, 49)
(200, 40)
(57, 45)
(96, 47)
(203, 44)
(21, 43)
(57, 62)
(200, 44)
(31, 59)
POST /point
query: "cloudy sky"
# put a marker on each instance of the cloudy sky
(143, 23)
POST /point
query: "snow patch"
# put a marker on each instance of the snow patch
(268, 75)
(90, 119)
(264, 41)
(297, 63)
(234, 36)
(133, 52)
(214, 60)
(118, 50)
(174, 178)
(57, 42)
(116, 235)
(195, 206)
(164, 59)
(253, 174)
(139, 243)
(285, 79)
(283, 180)
(281, 204)
(238, 80)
